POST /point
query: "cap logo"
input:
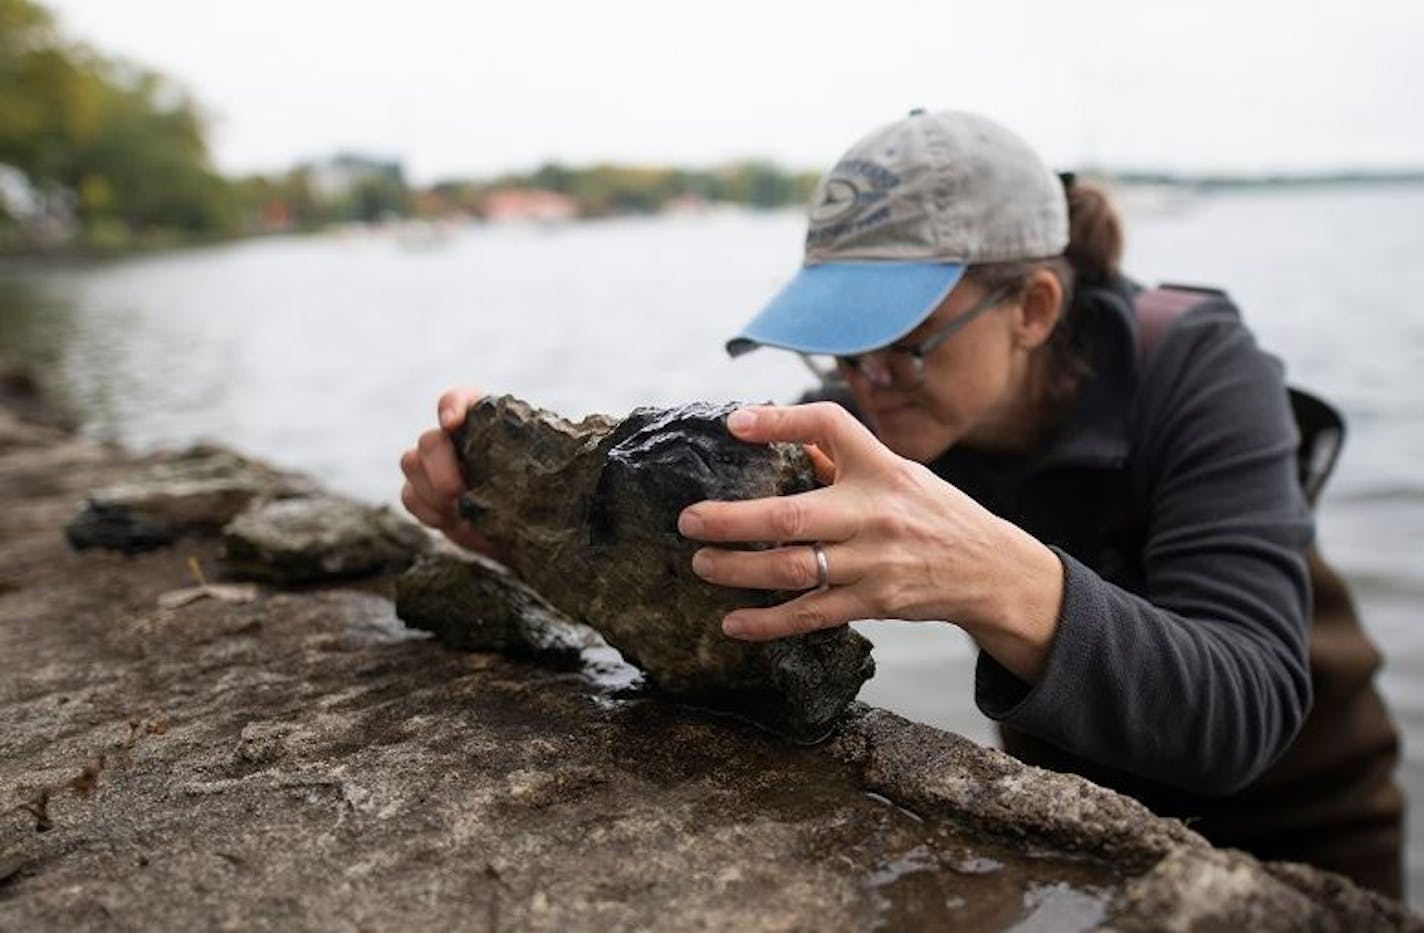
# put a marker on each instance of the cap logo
(855, 184)
(841, 197)
(877, 175)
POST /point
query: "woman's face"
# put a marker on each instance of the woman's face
(974, 388)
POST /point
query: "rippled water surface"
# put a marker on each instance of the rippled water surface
(327, 353)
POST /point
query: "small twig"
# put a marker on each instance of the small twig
(37, 799)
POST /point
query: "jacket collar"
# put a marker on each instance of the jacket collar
(1094, 433)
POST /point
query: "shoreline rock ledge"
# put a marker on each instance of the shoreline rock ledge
(301, 760)
(586, 514)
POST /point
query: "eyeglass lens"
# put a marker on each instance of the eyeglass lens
(887, 368)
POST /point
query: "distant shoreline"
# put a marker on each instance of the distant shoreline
(1343, 178)
(86, 252)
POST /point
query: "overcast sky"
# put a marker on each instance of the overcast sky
(462, 88)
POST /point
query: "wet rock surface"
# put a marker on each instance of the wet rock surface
(319, 537)
(195, 493)
(586, 514)
(473, 604)
(305, 761)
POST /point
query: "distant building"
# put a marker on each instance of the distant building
(45, 215)
(17, 197)
(275, 217)
(686, 204)
(525, 204)
(338, 177)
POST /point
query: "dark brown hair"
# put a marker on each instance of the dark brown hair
(1092, 258)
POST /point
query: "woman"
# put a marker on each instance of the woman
(1119, 528)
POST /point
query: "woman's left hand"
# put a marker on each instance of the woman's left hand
(900, 543)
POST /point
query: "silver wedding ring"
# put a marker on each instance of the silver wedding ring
(823, 567)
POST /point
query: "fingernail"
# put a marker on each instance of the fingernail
(689, 525)
(699, 564)
(733, 627)
(741, 420)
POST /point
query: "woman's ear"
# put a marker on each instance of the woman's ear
(1039, 309)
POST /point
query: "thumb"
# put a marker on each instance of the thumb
(454, 404)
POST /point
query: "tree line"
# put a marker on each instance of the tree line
(98, 151)
(105, 141)
(605, 190)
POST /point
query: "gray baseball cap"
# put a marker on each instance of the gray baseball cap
(896, 222)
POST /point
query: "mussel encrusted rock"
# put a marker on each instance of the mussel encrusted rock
(586, 514)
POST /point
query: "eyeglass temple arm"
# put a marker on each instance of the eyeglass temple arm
(992, 300)
(825, 378)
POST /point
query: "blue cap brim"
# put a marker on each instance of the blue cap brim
(844, 308)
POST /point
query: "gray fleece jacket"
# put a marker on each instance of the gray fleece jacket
(1169, 492)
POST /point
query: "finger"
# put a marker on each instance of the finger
(453, 404)
(414, 470)
(464, 534)
(825, 424)
(807, 613)
(784, 568)
(818, 515)
(445, 520)
(421, 510)
(823, 466)
(437, 458)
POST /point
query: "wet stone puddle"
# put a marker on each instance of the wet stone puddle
(934, 884)
(918, 873)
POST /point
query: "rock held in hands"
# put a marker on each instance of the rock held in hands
(586, 513)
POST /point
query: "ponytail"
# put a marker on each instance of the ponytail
(1094, 233)
(1092, 258)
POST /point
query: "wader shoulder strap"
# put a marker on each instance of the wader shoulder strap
(1331, 800)
(1321, 426)
(1157, 309)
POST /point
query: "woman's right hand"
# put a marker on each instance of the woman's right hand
(433, 481)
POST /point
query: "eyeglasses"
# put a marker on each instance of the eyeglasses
(899, 365)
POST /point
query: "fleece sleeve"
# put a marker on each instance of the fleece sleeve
(1201, 681)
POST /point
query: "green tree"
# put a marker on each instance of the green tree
(127, 143)
(50, 96)
(150, 155)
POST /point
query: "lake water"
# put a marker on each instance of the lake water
(327, 354)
